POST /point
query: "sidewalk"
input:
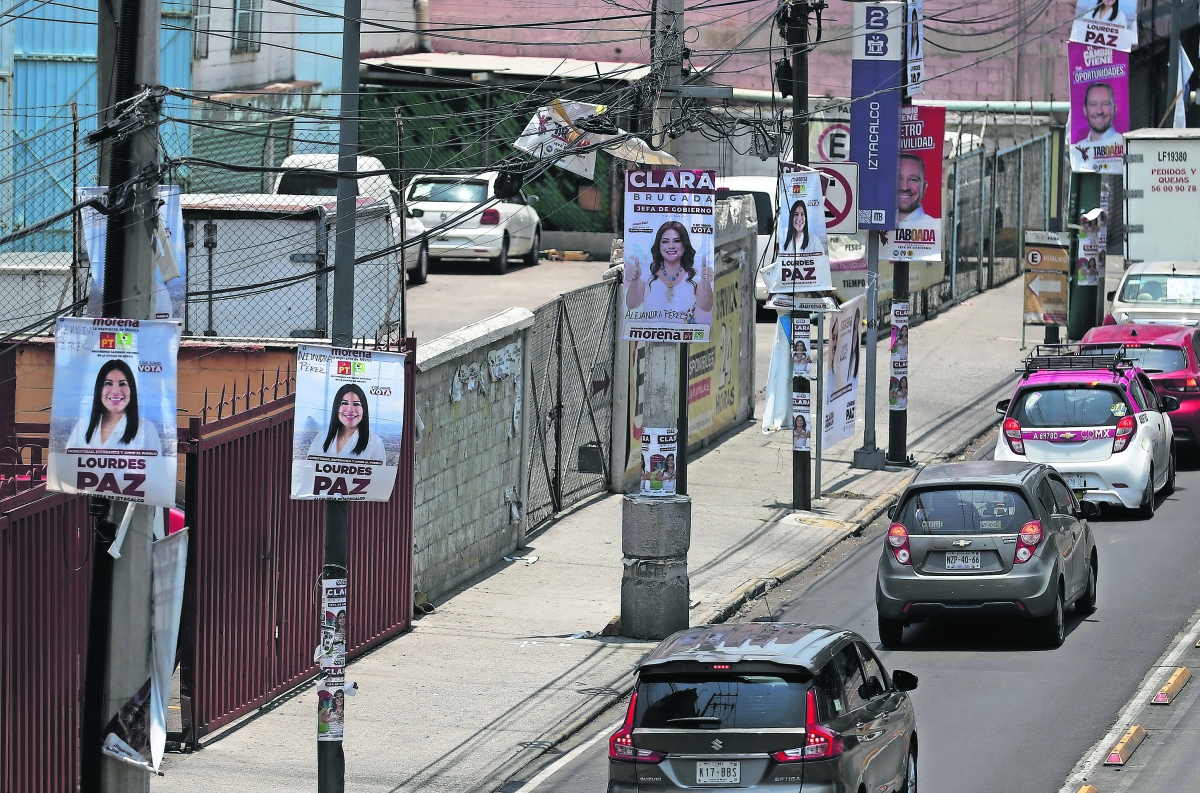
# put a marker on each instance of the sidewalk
(494, 677)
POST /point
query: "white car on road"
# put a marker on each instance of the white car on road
(483, 227)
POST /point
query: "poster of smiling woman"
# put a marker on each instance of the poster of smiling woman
(669, 273)
(112, 415)
(349, 423)
(1105, 23)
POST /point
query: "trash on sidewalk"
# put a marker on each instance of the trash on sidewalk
(525, 559)
(585, 635)
(421, 604)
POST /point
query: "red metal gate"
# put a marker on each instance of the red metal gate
(250, 610)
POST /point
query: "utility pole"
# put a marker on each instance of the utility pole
(331, 760)
(797, 34)
(120, 615)
(656, 531)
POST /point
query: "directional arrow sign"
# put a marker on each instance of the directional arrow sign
(1042, 284)
(840, 181)
(1045, 298)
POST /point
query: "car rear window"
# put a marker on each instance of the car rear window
(450, 191)
(1152, 359)
(1069, 406)
(965, 511)
(762, 208)
(308, 184)
(720, 702)
(1161, 288)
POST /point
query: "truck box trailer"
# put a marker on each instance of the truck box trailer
(1162, 195)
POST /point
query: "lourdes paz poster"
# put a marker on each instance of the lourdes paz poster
(170, 252)
(918, 233)
(1105, 23)
(112, 415)
(349, 423)
(668, 289)
(841, 371)
(803, 263)
(1099, 107)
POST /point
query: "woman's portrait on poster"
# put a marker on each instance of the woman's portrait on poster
(349, 432)
(114, 422)
(798, 239)
(677, 290)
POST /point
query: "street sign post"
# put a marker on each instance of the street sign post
(1047, 268)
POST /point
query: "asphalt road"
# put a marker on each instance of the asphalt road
(995, 712)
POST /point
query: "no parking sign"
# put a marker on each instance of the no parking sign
(840, 181)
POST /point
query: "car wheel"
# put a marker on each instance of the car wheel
(420, 274)
(1087, 603)
(500, 263)
(1169, 487)
(891, 632)
(532, 257)
(1053, 626)
(910, 772)
(1146, 509)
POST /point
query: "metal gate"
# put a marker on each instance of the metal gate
(572, 345)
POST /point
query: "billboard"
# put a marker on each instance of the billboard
(918, 233)
(877, 78)
(841, 371)
(1099, 81)
(803, 263)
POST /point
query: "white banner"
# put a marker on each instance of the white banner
(898, 384)
(551, 132)
(914, 35)
(803, 262)
(669, 272)
(802, 360)
(349, 423)
(1105, 23)
(801, 422)
(841, 371)
(112, 417)
(169, 571)
(331, 694)
(660, 445)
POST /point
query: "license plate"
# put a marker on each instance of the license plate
(719, 772)
(1075, 482)
(962, 560)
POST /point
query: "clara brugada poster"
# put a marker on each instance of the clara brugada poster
(112, 416)
(349, 423)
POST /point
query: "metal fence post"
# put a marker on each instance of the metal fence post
(1020, 241)
(982, 180)
(1046, 183)
(954, 240)
(992, 219)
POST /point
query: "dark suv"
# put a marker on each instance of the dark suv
(767, 706)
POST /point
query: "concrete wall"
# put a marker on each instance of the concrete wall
(469, 452)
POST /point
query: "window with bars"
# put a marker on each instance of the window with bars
(200, 20)
(247, 26)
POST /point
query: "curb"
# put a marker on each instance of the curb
(731, 603)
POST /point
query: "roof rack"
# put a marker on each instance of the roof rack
(1068, 357)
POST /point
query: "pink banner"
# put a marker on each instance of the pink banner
(1099, 107)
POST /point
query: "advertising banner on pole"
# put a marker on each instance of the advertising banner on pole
(660, 445)
(668, 287)
(802, 362)
(349, 423)
(803, 262)
(801, 422)
(918, 233)
(1099, 118)
(841, 371)
(551, 132)
(112, 415)
(1093, 243)
(170, 253)
(915, 56)
(898, 385)
(1047, 268)
(1105, 23)
(877, 79)
(331, 694)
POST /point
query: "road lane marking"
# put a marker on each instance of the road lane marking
(563, 761)
(1166, 663)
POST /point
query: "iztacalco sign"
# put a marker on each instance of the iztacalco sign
(877, 79)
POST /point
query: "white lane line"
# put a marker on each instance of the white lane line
(561, 762)
(1166, 663)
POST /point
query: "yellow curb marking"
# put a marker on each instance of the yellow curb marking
(1175, 684)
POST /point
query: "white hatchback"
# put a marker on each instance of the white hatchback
(1157, 292)
(466, 221)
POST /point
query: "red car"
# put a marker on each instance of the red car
(1170, 354)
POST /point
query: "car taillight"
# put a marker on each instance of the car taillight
(897, 537)
(620, 745)
(1190, 385)
(820, 743)
(1027, 541)
(490, 217)
(1126, 429)
(1012, 434)
(1109, 319)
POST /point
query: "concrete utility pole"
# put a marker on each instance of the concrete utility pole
(331, 760)
(802, 494)
(127, 61)
(656, 532)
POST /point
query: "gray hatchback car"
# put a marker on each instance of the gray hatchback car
(987, 538)
(767, 706)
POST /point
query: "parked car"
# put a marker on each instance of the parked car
(987, 538)
(1098, 420)
(767, 706)
(1157, 292)
(762, 188)
(1170, 354)
(486, 229)
(381, 188)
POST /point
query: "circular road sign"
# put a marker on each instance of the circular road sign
(833, 144)
(1034, 257)
(839, 197)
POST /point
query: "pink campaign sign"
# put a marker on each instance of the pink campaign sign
(1099, 107)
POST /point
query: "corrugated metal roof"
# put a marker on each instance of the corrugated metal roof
(516, 66)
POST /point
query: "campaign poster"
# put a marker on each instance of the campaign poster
(803, 261)
(1105, 23)
(331, 694)
(170, 297)
(877, 78)
(1093, 243)
(802, 354)
(552, 131)
(898, 384)
(668, 286)
(918, 233)
(714, 365)
(914, 35)
(112, 414)
(127, 734)
(349, 423)
(1099, 118)
(841, 371)
(660, 449)
(801, 422)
